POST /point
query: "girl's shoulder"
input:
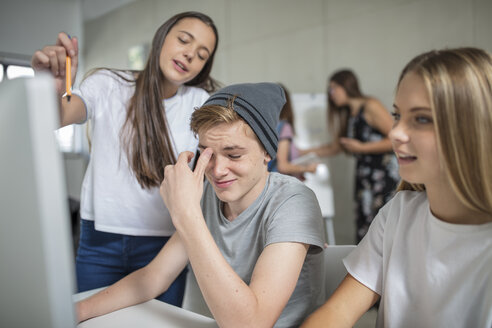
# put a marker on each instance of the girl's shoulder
(186, 100)
(100, 84)
(406, 203)
(408, 198)
(106, 76)
(376, 114)
(187, 90)
(373, 106)
(284, 129)
(191, 96)
(405, 210)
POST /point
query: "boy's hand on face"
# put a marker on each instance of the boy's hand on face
(182, 188)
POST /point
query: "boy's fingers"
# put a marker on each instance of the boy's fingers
(185, 157)
(166, 169)
(202, 162)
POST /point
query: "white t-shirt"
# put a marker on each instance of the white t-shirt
(111, 195)
(430, 273)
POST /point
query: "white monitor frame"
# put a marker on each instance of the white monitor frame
(37, 276)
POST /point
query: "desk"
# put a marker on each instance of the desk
(150, 314)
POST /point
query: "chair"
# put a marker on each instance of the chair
(193, 299)
(334, 269)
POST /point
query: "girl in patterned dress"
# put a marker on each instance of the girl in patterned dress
(360, 126)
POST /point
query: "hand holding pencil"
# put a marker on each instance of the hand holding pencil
(68, 77)
(61, 59)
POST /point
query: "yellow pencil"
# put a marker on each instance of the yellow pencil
(68, 77)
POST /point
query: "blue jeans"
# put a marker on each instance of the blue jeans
(104, 258)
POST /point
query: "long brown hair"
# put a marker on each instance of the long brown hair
(338, 115)
(287, 113)
(459, 83)
(145, 134)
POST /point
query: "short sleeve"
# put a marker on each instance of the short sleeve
(286, 132)
(297, 219)
(95, 88)
(365, 262)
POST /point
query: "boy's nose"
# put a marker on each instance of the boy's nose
(219, 166)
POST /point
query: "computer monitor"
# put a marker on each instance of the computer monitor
(37, 277)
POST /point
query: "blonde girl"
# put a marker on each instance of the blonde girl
(427, 255)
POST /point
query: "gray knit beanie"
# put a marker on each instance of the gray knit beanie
(259, 104)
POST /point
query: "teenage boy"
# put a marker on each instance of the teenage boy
(254, 239)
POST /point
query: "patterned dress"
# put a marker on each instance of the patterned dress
(376, 175)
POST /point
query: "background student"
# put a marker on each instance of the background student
(360, 126)
(253, 238)
(427, 255)
(139, 123)
(287, 150)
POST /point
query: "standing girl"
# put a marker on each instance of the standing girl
(139, 122)
(427, 255)
(287, 150)
(360, 126)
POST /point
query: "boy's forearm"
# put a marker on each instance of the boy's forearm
(133, 289)
(231, 301)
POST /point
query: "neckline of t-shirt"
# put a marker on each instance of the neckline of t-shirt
(171, 100)
(246, 213)
(456, 227)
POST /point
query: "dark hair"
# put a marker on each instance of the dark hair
(287, 113)
(145, 133)
(338, 115)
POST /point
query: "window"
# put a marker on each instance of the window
(15, 71)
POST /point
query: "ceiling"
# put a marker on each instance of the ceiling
(94, 8)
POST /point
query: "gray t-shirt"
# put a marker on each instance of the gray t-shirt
(286, 211)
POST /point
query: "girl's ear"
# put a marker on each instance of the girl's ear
(268, 158)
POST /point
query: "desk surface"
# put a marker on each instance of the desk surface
(320, 183)
(150, 314)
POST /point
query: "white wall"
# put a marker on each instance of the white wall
(298, 43)
(28, 25)
(301, 42)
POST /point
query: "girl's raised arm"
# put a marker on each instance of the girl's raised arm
(53, 58)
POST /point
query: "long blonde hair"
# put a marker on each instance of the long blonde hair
(459, 83)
